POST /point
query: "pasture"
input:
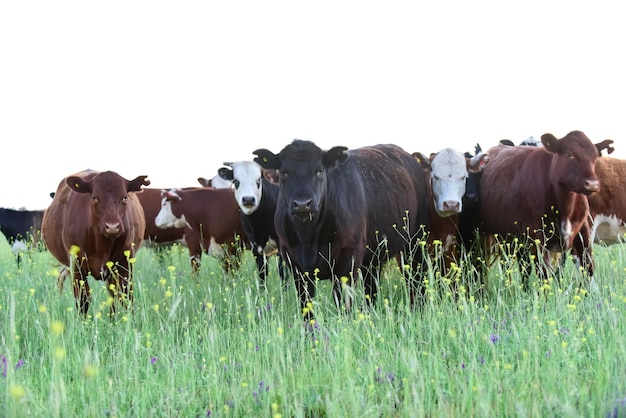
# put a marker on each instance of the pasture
(217, 346)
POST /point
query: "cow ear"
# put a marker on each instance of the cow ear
(550, 142)
(78, 184)
(266, 159)
(135, 185)
(422, 160)
(334, 156)
(607, 145)
(478, 162)
(204, 182)
(226, 173)
(273, 176)
(507, 142)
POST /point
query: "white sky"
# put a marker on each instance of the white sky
(173, 89)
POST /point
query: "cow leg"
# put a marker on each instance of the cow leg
(582, 247)
(82, 292)
(305, 286)
(120, 286)
(281, 271)
(261, 265)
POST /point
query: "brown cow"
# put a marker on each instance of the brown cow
(608, 206)
(539, 194)
(150, 199)
(211, 220)
(94, 226)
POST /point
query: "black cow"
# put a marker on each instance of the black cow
(257, 197)
(343, 212)
(22, 229)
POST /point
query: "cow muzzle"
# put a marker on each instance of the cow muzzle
(112, 230)
(592, 186)
(302, 210)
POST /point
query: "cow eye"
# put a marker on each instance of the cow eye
(284, 175)
(94, 199)
(237, 183)
(319, 173)
(258, 182)
(570, 156)
(436, 178)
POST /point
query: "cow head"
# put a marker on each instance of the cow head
(216, 182)
(246, 176)
(573, 161)
(109, 198)
(449, 174)
(302, 168)
(166, 217)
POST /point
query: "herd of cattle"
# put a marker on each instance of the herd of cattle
(340, 214)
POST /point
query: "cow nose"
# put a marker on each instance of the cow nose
(592, 185)
(451, 206)
(301, 205)
(248, 201)
(112, 230)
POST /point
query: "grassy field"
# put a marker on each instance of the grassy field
(218, 346)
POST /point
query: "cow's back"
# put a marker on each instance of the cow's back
(392, 187)
(513, 188)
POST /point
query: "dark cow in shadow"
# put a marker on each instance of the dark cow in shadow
(344, 212)
(539, 195)
(22, 229)
(94, 226)
(256, 193)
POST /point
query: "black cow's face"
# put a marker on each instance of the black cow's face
(303, 169)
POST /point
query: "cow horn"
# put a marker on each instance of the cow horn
(605, 145)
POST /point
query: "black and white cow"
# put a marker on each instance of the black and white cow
(256, 193)
(22, 229)
(344, 212)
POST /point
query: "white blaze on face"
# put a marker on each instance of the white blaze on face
(166, 218)
(448, 175)
(248, 185)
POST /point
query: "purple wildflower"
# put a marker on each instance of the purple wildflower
(494, 338)
(153, 360)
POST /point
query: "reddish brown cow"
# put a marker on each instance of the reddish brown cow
(608, 206)
(210, 218)
(539, 194)
(150, 199)
(94, 226)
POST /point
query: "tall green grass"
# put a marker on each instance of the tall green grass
(218, 346)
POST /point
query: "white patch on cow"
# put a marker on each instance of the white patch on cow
(247, 177)
(166, 218)
(19, 246)
(215, 249)
(218, 182)
(450, 241)
(566, 231)
(448, 175)
(608, 229)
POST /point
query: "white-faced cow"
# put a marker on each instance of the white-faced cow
(539, 194)
(22, 229)
(256, 193)
(151, 199)
(447, 173)
(94, 226)
(211, 220)
(341, 212)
